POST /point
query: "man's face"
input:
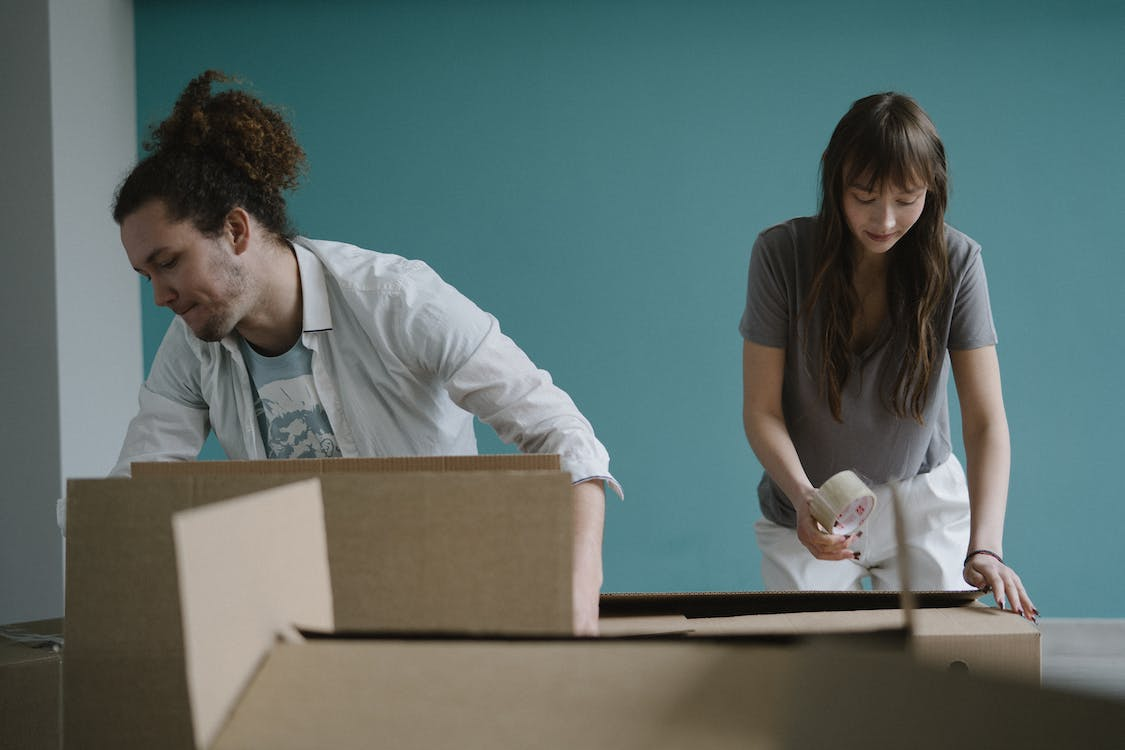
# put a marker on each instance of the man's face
(199, 278)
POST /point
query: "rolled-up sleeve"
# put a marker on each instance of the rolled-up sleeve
(162, 430)
(502, 386)
(487, 374)
(172, 420)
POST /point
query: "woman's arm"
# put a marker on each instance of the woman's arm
(984, 427)
(763, 368)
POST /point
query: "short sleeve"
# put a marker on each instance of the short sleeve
(971, 326)
(766, 317)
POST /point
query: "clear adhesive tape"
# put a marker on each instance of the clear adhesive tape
(842, 503)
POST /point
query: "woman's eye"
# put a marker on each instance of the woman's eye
(864, 201)
(908, 203)
(168, 264)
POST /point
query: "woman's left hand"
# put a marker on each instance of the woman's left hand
(989, 574)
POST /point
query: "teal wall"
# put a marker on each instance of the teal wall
(594, 174)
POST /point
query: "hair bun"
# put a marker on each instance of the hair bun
(253, 141)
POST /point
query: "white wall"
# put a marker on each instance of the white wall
(93, 101)
(72, 343)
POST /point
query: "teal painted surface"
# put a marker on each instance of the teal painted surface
(594, 174)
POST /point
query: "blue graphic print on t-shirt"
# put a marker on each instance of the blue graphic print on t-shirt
(293, 422)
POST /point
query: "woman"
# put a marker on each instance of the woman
(289, 347)
(849, 316)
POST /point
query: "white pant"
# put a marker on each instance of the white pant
(936, 523)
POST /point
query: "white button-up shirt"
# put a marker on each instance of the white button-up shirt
(401, 361)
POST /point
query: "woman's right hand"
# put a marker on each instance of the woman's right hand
(821, 544)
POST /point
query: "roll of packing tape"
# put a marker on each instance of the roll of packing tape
(842, 503)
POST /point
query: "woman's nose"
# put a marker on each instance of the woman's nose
(885, 215)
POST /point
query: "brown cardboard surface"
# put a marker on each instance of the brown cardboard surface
(305, 466)
(466, 552)
(889, 703)
(476, 551)
(979, 639)
(244, 566)
(487, 695)
(124, 682)
(29, 689)
(663, 693)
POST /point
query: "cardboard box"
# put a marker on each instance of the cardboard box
(791, 690)
(30, 685)
(466, 551)
(126, 678)
(949, 630)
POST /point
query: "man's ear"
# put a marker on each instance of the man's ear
(239, 229)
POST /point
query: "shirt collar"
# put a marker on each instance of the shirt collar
(317, 316)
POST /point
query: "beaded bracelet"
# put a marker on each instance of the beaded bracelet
(988, 552)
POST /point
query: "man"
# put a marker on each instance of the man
(290, 347)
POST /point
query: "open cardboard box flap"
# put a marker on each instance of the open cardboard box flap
(248, 569)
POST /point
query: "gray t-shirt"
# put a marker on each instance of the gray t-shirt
(871, 440)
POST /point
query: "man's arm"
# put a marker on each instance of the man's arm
(589, 522)
(162, 430)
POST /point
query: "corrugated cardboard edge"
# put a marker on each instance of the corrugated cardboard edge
(492, 462)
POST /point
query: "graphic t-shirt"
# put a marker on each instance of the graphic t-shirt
(292, 419)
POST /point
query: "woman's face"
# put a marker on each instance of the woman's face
(879, 215)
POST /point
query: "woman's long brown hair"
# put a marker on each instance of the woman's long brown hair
(884, 139)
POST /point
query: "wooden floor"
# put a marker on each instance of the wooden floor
(1084, 655)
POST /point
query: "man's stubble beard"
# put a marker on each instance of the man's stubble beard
(234, 287)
